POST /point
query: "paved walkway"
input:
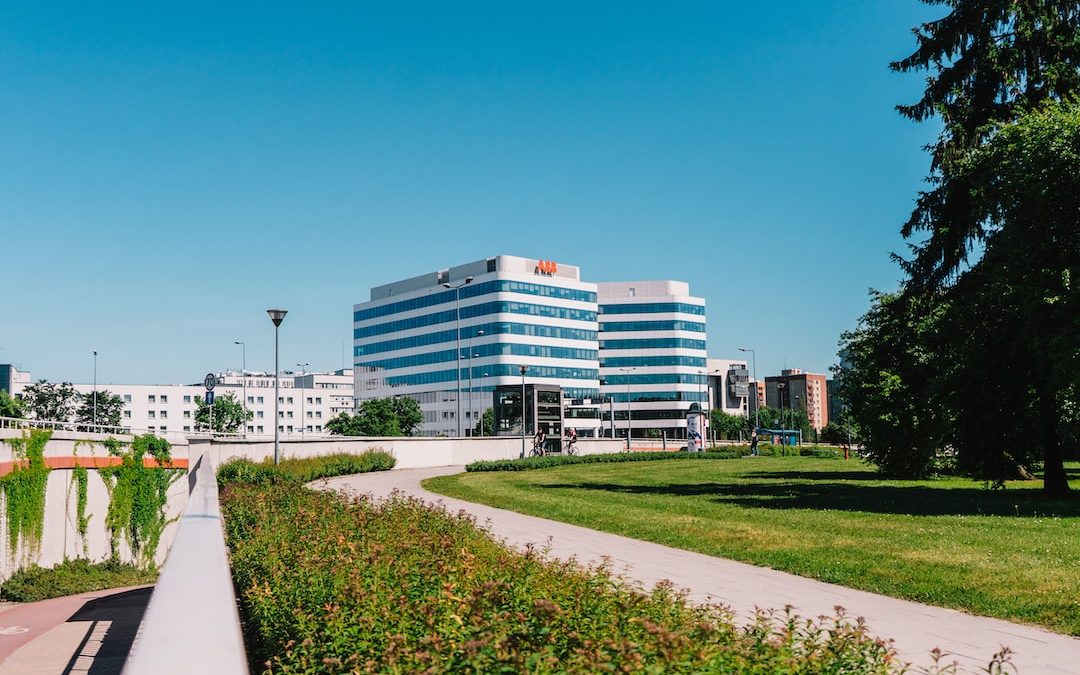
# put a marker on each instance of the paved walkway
(85, 633)
(915, 628)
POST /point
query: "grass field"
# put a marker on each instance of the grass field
(1010, 553)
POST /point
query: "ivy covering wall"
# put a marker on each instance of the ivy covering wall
(24, 492)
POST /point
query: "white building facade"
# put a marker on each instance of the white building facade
(306, 402)
(480, 322)
(652, 355)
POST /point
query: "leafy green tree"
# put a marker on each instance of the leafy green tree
(229, 414)
(729, 427)
(991, 61)
(109, 409)
(49, 401)
(391, 416)
(488, 419)
(11, 406)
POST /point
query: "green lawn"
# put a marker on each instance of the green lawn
(1010, 553)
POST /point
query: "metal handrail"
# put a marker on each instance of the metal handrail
(82, 427)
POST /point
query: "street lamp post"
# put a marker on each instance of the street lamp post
(457, 342)
(277, 316)
(303, 420)
(629, 414)
(243, 376)
(780, 387)
(753, 354)
(482, 409)
(95, 388)
(524, 369)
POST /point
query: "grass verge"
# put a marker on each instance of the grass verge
(70, 577)
(1011, 554)
(304, 469)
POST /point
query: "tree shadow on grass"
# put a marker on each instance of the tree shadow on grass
(918, 500)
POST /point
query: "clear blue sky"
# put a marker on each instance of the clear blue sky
(169, 171)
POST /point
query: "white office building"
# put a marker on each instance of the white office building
(306, 401)
(729, 386)
(652, 355)
(472, 327)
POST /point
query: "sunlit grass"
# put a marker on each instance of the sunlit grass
(1010, 553)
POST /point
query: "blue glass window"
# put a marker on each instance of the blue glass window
(497, 349)
(494, 370)
(654, 343)
(473, 311)
(654, 378)
(631, 326)
(653, 308)
(472, 291)
(499, 328)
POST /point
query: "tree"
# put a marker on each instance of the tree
(488, 427)
(729, 427)
(47, 401)
(11, 406)
(993, 60)
(109, 409)
(229, 414)
(391, 416)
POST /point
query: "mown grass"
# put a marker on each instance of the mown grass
(70, 577)
(1011, 553)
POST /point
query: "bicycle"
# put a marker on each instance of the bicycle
(570, 446)
(537, 449)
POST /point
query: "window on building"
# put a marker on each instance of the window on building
(187, 428)
(281, 399)
(250, 428)
(289, 400)
(259, 399)
(163, 428)
(310, 414)
(151, 398)
(127, 414)
(318, 414)
(127, 398)
(318, 400)
(259, 414)
(318, 427)
(150, 428)
(150, 414)
(187, 414)
(309, 400)
(259, 429)
(289, 428)
(164, 398)
(187, 398)
(251, 399)
(289, 414)
(163, 414)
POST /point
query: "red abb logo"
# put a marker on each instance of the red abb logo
(547, 267)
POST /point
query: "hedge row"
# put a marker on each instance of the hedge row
(70, 577)
(303, 470)
(333, 584)
(733, 452)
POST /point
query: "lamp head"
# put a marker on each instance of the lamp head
(468, 280)
(277, 315)
(523, 369)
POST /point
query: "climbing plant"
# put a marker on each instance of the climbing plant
(81, 482)
(138, 495)
(24, 491)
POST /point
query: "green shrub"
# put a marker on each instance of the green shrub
(821, 452)
(547, 461)
(329, 584)
(303, 469)
(34, 583)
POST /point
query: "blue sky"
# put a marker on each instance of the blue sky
(170, 170)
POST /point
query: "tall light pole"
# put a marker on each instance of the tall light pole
(95, 388)
(457, 342)
(482, 409)
(753, 354)
(780, 387)
(629, 415)
(277, 316)
(303, 420)
(243, 377)
(524, 369)
(479, 333)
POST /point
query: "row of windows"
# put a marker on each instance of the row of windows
(494, 370)
(495, 349)
(656, 396)
(654, 343)
(472, 291)
(655, 378)
(499, 328)
(653, 308)
(621, 361)
(483, 309)
(643, 415)
(633, 326)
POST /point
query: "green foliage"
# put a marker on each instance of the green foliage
(11, 406)
(229, 414)
(137, 496)
(70, 577)
(109, 409)
(47, 401)
(773, 418)
(24, 491)
(488, 418)
(329, 584)
(82, 521)
(730, 427)
(390, 416)
(303, 469)
(547, 461)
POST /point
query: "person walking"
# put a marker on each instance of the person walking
(753, 443)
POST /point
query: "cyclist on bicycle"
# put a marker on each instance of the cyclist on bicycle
(571, 441)
(538, 442)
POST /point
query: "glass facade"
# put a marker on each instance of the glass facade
(654, 343)
(473, 291)
(480, 351)
(495, 328)
(637, 326)
(493, 370)
(653, 308)
(643, 361)
(472, 311)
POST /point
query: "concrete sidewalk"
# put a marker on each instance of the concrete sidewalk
(915, 628)
(86, 633)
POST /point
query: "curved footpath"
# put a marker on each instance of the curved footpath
(914, 627)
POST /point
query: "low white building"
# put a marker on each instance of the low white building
(306, 401)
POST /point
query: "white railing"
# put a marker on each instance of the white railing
(192, 624)
(82, 427)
